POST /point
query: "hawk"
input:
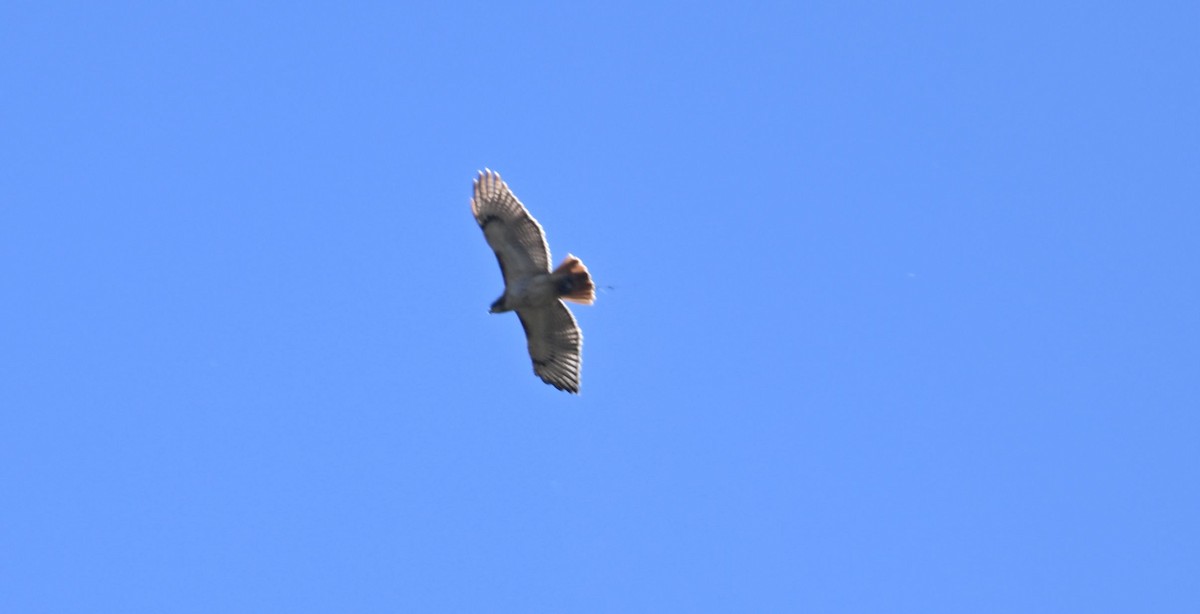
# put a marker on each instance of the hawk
(530, 288)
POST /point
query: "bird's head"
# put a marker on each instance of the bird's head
(498, 306)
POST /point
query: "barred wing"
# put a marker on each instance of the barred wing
(555, 344)
(512, 233)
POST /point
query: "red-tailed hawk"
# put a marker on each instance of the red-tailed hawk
(530, 288)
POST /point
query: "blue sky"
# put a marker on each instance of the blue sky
(900, 308)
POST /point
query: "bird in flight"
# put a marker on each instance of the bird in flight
(530, 288)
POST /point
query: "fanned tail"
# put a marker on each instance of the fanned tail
(573, 281)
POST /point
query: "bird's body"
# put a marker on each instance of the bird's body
(530, 288)
(531, 292)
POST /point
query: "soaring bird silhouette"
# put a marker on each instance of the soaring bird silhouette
(530, 288)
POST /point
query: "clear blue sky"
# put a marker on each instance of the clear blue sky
(901, 309)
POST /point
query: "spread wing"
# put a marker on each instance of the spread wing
(514, 235)
(555, 344)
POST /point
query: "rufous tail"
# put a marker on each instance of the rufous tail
(573, 281)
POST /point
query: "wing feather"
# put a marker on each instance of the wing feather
(555, 344)
(517, 238)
